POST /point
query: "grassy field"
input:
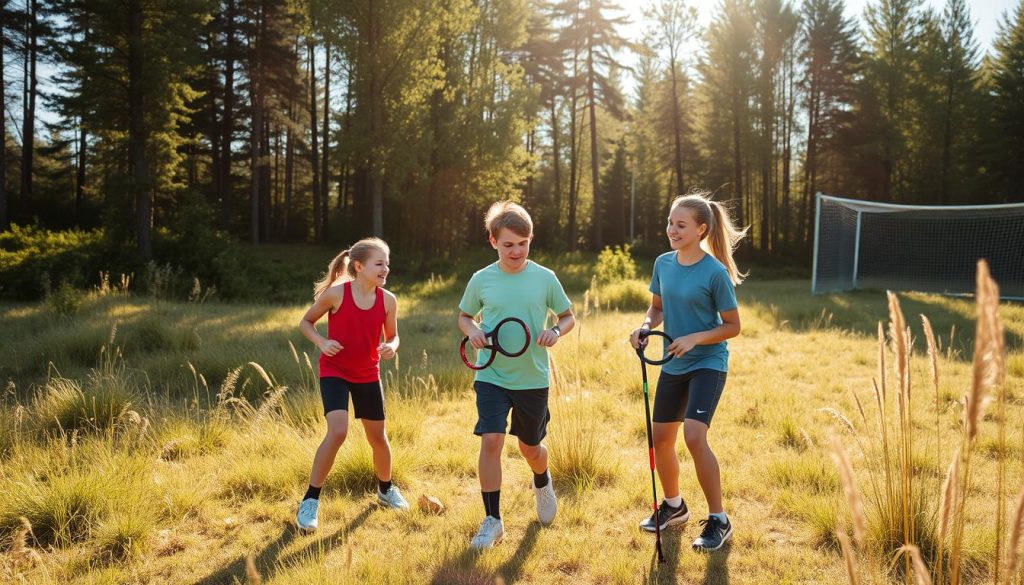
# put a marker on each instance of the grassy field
(151, 441)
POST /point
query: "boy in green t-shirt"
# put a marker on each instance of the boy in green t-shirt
(513, 287)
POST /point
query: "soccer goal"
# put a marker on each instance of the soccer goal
(930, 248)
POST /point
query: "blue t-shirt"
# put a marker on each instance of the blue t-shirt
(692, 298)
(530, 295)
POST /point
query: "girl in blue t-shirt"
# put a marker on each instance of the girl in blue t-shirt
(693, 294)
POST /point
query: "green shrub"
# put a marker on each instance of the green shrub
(66, 300)
(615, 264)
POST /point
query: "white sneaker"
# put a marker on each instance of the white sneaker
(306, 518)
(547, 503)
(490, 533)
(392, 499)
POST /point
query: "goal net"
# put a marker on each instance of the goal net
(869, 245)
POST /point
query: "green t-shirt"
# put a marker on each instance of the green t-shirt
(528, 295)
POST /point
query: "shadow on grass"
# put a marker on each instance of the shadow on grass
(512, 569)
(665, 573)
(716, 572)
(324, 545)
(270, 558)
(461, 569)
(264, 561)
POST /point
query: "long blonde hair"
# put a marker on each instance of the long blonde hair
(342, 265)
(722, 234)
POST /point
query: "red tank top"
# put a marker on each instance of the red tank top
(359, 334)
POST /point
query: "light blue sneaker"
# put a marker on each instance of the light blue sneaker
(392, 499)
(306, 518)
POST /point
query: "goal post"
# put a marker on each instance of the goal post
(928, 248)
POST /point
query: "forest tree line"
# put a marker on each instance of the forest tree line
(325, 121)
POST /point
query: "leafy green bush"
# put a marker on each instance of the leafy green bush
(31, 256)
(615, 264)
(66, 300)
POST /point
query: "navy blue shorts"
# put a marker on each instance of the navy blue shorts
(367, 397)
(529, 408)
(691, 395)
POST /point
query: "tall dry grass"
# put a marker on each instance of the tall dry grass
(898, 493)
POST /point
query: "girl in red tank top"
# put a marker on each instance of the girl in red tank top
(362, 329)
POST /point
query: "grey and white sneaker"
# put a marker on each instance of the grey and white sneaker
(667, 516)
(714, 535)
(306, 518)
(490, 533)
(392, 499)
(547, 503)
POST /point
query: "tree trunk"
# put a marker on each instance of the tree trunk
(344, 184)
(228, 121)
(137, 135)
(289, 170)
(737, 154)
(256, 130)
(275, 197)
(811, 162)
(677, 132)
(314, 152)
(594, 161)
(4, 217)
(265, 182)
(80, 173)
(325, 182)
(214, 131)
(557, 164)
(787, 149)
(947, 144)
(376, 124)
(28, 132)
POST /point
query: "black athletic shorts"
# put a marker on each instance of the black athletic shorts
(691, 395)
(367, 397)
(529, 408)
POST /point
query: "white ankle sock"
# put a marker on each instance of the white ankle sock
(721, 516)
(674, 502)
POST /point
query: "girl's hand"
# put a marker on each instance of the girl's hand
(385, 351)
(547, 338)
(634, 337)
(477, 339)
(682, 345)
(329, 347)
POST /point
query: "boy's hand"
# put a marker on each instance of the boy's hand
(547, 338)
(682, 345)
(634, 337)
(329, 347)
(477, 339)
(385, 351)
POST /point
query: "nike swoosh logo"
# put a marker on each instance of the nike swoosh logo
(702, 412)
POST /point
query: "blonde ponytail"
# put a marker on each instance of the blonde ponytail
(343, 264)
(723, 240)
(722, 234)
(335, 269)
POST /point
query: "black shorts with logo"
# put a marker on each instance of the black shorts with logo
(691, 395)
(367, 397)
(529, 408)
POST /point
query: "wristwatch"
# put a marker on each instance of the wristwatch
(557, 330)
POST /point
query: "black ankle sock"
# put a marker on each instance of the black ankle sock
(540, 479)
(492, 503)
(383, 486)
(312, 492)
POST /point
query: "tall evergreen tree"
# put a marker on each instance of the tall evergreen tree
(1006, 87)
